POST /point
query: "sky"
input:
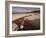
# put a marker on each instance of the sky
(23, 9)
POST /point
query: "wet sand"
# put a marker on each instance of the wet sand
(35, 17)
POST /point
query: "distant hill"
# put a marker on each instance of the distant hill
(37, 11)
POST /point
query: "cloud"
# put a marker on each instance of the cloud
(23, 9)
